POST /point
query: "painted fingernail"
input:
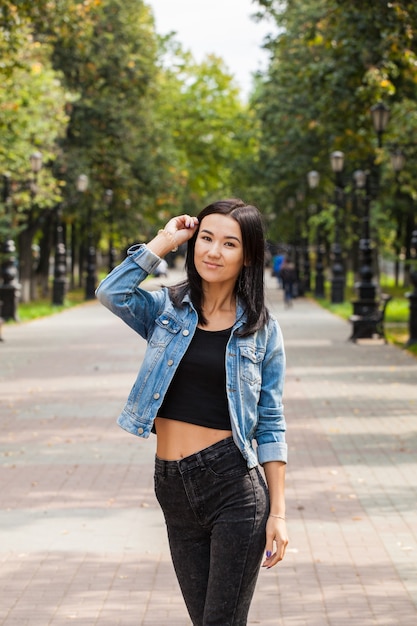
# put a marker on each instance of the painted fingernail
(268, 553)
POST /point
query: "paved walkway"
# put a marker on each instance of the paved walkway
(83, 540)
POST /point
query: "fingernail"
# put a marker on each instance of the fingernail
(268, 554)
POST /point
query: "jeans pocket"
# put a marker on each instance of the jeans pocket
(230, 465)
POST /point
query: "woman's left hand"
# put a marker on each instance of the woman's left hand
(276, 534)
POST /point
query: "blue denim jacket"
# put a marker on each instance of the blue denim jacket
(255, 364)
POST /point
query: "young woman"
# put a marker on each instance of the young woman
(210, 383)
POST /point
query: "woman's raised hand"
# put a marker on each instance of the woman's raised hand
(182, 228)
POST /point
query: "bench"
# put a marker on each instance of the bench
(368, 319)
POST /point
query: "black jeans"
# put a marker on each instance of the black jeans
(215, 510)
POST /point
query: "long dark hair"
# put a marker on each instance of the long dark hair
(250, 283)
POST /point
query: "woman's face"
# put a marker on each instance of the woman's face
(218, 253)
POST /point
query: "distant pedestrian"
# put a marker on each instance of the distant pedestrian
(277, 263)
(289, 280)
(211, 381)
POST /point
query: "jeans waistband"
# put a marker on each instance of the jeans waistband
(198, 459)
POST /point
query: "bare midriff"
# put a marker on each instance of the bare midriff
(176, 440)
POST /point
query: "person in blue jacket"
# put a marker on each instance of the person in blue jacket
(210, 385)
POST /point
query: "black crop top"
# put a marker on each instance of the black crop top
(197, 393)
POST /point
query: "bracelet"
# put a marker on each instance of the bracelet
(277, 516)
(162, 231)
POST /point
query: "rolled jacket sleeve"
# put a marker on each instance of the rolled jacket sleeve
(271, 426)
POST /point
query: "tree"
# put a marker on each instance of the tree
(113, 135)
(213, 133)
(32, 105)
(330, 62)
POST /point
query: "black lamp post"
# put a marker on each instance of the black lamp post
(35, 165)
(306, 261)
(60, 264)
(380, 118)
(28, 284)
(291, 204)
(412, 295)
(90, 280)
(313, 179)
(366, 288)
(9, 289)
(108, 197)
(305, 283)
(397, 162)
(338, 277)
(367, 186)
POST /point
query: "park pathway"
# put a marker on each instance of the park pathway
(82, 540)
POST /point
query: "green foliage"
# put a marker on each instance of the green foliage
(111, 135)
(43, 308)
(87, 82)
(330, 62)
(32, 116)
(91, 85)
(212, 131)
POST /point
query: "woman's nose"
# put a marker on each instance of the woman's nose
(214, 249)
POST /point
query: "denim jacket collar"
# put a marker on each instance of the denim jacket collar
(240, 310)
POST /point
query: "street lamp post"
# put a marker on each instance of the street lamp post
(412, 296)
(366, 289)
(338, 277)
(36, 166)
(306, 262)
(367, 186)
(108, 198)
(78, 235)
(313, 179)
(301, 243)
(26, 261)
(60, 264)
(90, 280)
(380, 117)
(9, 289)
(291, 205)
(397, 162)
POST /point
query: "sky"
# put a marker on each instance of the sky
(222, 27)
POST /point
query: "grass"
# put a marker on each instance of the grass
(43, 307)
(396, 315)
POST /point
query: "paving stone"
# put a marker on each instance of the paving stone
(83, 540)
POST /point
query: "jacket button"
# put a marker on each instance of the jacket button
(170, 362)
(165, 321)
(156, 396)
(140, 431)
(185, 333)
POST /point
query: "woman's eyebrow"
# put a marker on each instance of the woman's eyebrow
(205, 230)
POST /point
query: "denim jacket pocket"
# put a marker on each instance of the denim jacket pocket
(166, 327)
(251, 363)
